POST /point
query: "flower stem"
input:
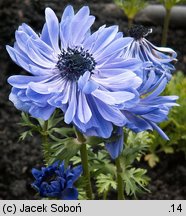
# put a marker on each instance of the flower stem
(84, 160)
(166, 27)
(130, 22)
(120, 184)
(45, 143)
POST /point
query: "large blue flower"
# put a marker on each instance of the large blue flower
(152, 108)
(56, 182)
(81, 73)
(155, 72)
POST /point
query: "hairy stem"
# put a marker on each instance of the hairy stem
(45, 143)
(84, 160)
(120, 185)
(166, 27)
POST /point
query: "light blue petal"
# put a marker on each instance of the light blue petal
(122, 81)
(135, 123)
(45, 36)
(20, 105)
(68, 13)
(37, 57)
(53, 28)
(22, 39)
(49, 85)
(97, 126)
(89, 42)
(84, 31)
(83, 79)
(40, 99)
(105, 37)
(19, 58)
(158, 129)
(39, 71)
(111, 114)
(83, 110)
(44, 49)
(28, 30)
(157, 116)
(157, 91)
(71, 110)
(80, 24)
(21, 81)
(130, 64)
(42, 112)
(141, 110)
(113, 98)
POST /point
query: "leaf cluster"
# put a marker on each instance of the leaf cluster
(104, 171)
(131, 7)
(168, 4)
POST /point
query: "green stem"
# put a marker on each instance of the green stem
(130, 22)
(84, 160)
(166, 27)
(46, 146)
(120, 184)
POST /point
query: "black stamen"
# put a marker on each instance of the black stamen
(75, 62)
(139, 31)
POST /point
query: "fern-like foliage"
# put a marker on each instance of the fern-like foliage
(131, 7)
(168, 4)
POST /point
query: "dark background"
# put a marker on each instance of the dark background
(18, 158)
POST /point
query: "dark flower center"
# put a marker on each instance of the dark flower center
(75, 62)
(139, 31)
(49, 176)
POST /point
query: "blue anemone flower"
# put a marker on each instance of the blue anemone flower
(56, 182)
(151, 108)
(81, 73)
(155, 72)
(157, 60)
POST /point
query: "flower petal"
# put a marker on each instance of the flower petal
(115, 147)
(83, 110)
(53, 28)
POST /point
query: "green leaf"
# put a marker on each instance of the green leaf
(152, 159)
(65, 150)
(106, 168)
(66, 132)
(76, 159)
(80, 185)
(135, 147)
(168, 4)
(168, 149)
(131, 7)
(135, 181)
(25, 121)
(56, 118)
(25, 134)
(104, 183)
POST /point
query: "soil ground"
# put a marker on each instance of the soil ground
(18, 158)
